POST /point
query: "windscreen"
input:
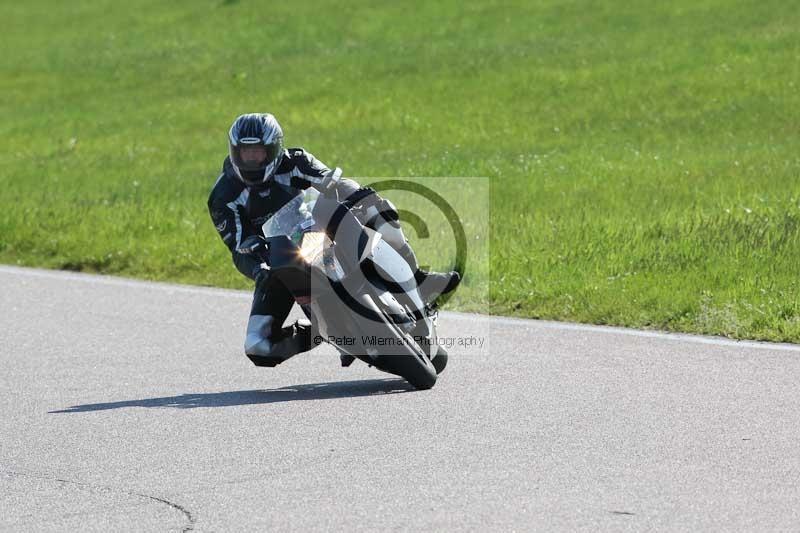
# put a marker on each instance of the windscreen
(294, 218)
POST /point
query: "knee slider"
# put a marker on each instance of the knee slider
(267, 348)
(257, 340)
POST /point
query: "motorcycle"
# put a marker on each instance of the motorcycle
(357, 291)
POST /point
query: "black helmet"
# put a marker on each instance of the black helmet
(256, 147)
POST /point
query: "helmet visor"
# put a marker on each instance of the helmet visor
(254, 156)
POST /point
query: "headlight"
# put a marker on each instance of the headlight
(312, 245)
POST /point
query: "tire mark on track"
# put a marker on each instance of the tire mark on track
(190, 518)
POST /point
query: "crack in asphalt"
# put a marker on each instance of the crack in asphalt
(186, 513)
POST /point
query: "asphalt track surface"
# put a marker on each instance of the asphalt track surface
(129, 406)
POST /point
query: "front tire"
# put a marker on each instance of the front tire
(415, 367)
(440, 361)
(406, 359)
(421, 376)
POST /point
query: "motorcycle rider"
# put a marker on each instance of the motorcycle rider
(258, 177)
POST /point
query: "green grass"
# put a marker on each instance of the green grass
(644, 157)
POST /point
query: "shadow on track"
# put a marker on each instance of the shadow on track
(311, 391)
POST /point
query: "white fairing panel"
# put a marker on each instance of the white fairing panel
(395, 266)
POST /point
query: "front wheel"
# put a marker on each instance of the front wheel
(419, 375)
(440, 361)
(403, 357)
(414, 366)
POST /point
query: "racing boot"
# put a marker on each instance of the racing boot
(431, 284)
(266, 349)
(434, 284)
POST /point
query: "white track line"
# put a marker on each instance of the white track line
(122, 282)
(543, 324)
(652, 334)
